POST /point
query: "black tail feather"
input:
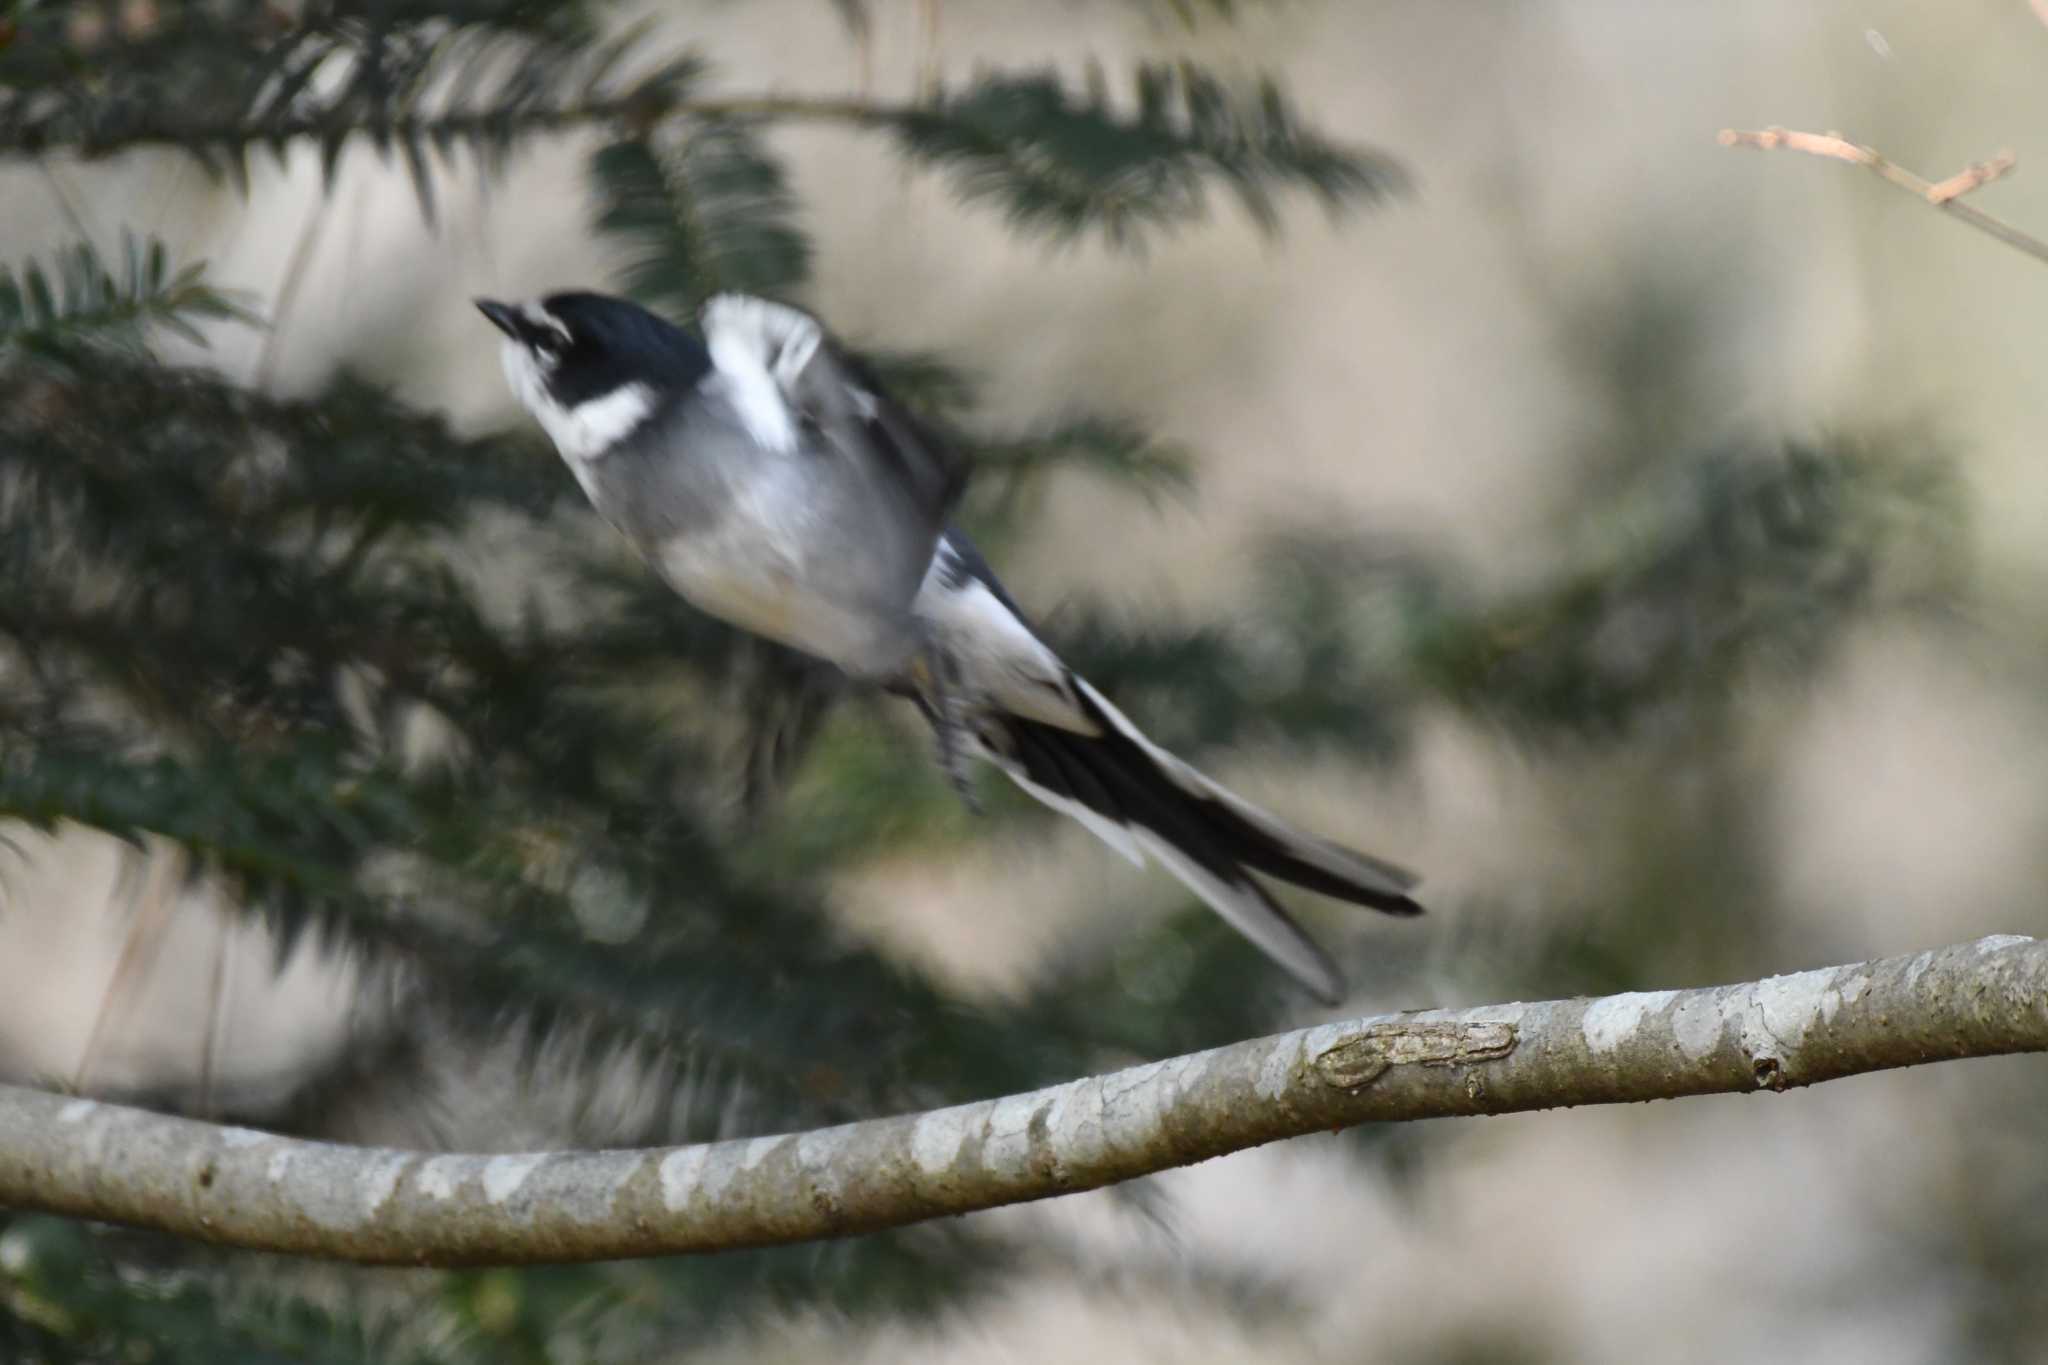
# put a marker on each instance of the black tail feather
(1212, 841)
(1111, 774)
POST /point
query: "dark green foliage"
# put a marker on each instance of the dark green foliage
(715, 212)
(1099, 445)
(419, 77)
(636, 1310)
(1726, 562)
(286, 635)
(88, 303)
(72, 1295)
(1063, 162)
(231, 615)
(255, 760)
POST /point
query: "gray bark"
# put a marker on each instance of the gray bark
(234, 1186)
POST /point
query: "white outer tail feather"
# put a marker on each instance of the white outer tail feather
(1122, 838)
(1242, 901)
(1252, 913)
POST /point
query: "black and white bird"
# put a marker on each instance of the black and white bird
(767, 477)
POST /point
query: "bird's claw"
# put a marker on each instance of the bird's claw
(948, 727)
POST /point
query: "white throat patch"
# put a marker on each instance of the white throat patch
(759, 350)
(582, 433)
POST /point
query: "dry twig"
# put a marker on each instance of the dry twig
(1946, 196)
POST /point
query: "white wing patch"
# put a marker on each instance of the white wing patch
(998, 656)
(758, 351)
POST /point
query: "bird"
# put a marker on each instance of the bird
(758, 467)
(761, 469)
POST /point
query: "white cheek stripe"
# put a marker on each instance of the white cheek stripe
(582, 433)
(595, 426)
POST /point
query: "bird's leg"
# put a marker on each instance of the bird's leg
(943, 674)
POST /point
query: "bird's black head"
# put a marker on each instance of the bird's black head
(568, 352)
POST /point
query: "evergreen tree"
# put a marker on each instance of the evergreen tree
(228, 617)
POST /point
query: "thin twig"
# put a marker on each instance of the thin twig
(216, 1011)
(149, 916)
(65, 204)
(1971, 176)
(928, 41)
(295, 271)
(1945, 196)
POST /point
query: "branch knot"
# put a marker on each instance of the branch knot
(1358, 1059)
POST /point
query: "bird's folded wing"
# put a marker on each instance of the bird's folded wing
(853, 407)
(817, 381)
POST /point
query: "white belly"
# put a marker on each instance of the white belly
(752, 586)
(758, 568)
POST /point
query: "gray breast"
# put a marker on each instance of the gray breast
(809, 546)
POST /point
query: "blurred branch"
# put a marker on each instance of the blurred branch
(238, 1187)
(1059, 158)
(1947, 195)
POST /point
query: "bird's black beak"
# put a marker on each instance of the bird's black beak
(504, 316)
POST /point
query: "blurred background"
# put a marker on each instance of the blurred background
(1457, 450)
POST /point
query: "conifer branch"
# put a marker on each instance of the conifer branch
(1056, 159)
(85, 299)
(709, 212)
(239, 1187)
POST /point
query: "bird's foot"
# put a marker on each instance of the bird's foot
(948, 728)
(953, 759)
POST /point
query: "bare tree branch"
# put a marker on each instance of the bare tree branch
(1946, 196)
(250, 1189)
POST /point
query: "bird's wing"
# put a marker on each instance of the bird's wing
(784, 373)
